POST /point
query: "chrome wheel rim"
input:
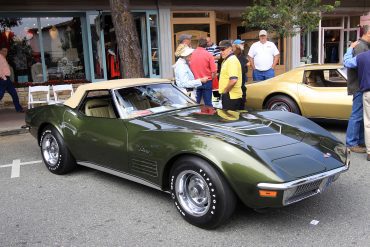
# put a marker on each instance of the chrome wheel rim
(280, 106)
(192, 193)
(50, 149)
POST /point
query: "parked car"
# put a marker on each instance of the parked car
(148, 131)
(314, 91)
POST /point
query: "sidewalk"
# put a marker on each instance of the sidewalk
(11, 122)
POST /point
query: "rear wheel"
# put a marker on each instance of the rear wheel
(55, 154)
(200, 193)
(282, 103)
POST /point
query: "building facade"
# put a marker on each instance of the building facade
(75, 40)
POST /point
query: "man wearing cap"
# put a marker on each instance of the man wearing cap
(263, 56)
(183, 75)
(238, 48)
(230, 78)
(202, 64)
(185, 41)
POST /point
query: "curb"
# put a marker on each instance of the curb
(13, 132)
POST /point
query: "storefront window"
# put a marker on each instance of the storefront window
(196, 30)
(63, 48)
(329, 21)
(97, 53)
(154, 44)
(19, 36)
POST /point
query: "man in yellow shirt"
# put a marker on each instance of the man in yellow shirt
(230, 78)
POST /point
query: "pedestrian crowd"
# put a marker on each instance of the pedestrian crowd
(224, 67)
(357, 60)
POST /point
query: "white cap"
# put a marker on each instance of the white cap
(186, 52)
(262, 32)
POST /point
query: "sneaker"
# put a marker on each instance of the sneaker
(358, 149)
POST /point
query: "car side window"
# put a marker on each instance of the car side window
(98, 103)
(324, 78)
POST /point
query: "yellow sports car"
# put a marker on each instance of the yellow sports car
(314, 91)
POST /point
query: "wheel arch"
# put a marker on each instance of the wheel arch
(42, 127)
(170, 163)
(295, 100)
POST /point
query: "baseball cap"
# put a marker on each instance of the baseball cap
(238, 42)
(262, 32)
(225, 44)
(184, 36)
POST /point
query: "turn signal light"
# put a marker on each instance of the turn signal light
(268, 193)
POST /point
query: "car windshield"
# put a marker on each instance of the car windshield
(343, 72)
(149, 99)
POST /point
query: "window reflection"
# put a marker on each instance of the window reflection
(63, 48)
(19, 35)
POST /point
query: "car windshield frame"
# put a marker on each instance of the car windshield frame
(125, 113)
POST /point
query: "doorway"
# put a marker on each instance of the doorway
(332, 43)
(103, 46)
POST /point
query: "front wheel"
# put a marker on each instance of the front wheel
(55, 154)
(282, 103)
(200, 193)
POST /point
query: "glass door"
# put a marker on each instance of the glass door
(96, 47)
(332, 45)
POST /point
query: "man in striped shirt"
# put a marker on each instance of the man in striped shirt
(213, 49)
(5, 82)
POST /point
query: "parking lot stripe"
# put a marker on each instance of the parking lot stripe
(16, 167)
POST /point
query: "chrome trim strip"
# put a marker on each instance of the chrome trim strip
(288, 185)
(120, 174)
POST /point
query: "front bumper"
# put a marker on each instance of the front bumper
(300, 189)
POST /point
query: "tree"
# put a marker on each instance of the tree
(10, 22)
(127, 39)
(285, 17)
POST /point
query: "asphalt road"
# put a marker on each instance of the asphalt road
(91, 208)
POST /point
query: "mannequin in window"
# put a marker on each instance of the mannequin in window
(6, 37)
(113, 64)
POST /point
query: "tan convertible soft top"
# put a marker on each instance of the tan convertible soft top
(80, 92)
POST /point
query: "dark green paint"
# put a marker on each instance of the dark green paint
(254, 153)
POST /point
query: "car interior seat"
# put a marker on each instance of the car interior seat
(99, 108)
(137, 101)
(313, 79)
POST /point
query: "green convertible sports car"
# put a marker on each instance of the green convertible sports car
(148, 131)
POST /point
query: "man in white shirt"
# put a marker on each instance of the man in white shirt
(263, 56)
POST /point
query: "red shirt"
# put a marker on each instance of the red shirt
(202, 63)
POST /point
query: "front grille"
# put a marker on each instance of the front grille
(304, 191)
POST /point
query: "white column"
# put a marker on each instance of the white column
(164, 15)
(296, 50)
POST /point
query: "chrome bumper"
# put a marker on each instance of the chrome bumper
(300, 189)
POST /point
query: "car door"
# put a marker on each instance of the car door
(327, 99)
(98, 140)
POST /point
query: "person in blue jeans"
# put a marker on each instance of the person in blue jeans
(6, 84)
(362, 63)
(355, 137)
(263, 57)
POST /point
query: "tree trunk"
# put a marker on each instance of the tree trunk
(127, 39)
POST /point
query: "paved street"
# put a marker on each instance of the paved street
(91, 208)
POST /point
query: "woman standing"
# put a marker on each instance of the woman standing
(183, 75)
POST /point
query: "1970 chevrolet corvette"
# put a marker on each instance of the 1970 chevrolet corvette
(148, 131)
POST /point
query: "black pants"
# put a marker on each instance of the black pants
(7, 86)
(230, 104)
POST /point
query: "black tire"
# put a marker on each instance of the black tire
(216, 200)
(282, 103)
(56, 156)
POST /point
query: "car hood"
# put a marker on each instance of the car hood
(291, 151)
(239, 127)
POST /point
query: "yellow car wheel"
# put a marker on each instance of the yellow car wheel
(282, 103)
